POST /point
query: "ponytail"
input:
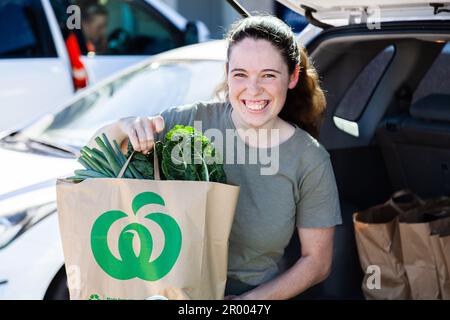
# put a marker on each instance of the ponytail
(305, 103)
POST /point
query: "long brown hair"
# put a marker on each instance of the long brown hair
(305, 103)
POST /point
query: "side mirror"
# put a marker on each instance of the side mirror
(191, 33)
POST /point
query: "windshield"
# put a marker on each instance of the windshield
(145, 92)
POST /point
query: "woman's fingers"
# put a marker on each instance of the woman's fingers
(136, 134)
(151, 125)
(158, 124)
(141, 131)
(141, 135)
(148, 128)
(132, 135)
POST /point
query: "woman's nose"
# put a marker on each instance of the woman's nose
(253, 86)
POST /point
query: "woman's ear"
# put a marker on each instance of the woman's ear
(293, 79)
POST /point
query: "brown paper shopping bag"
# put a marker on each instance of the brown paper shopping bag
(419, 259)
(378, 244)
(138, 239)
(440, 241)
(444, 239)
(423, 263)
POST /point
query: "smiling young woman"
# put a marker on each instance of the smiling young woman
(270, 85)
(288, 79)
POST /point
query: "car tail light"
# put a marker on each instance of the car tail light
(79, 73)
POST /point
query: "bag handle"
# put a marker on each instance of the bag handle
(155, 165)
(401, 193)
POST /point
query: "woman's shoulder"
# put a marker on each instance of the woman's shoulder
(309, 151)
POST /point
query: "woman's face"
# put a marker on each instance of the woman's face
(258, 80)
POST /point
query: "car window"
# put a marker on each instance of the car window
(24, 31)
(119, 27)
(437, 79)
(172, 84)
(357, 96)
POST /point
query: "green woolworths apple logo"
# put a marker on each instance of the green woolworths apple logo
(132, 265)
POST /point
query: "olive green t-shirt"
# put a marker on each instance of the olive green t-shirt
(301, 193)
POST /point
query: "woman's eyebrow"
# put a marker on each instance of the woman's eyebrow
(271, 70)
(264, 70)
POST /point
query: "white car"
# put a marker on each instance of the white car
(30, 249)
(47, 49)
(387, 127)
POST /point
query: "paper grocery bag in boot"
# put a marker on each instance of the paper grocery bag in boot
(378, 243)
(421, 262)
(440, 241)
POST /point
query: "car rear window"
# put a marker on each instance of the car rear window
(24, 31)
(119, 27)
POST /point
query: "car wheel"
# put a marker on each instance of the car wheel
(58, 288)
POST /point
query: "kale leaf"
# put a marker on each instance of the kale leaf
(184, 154)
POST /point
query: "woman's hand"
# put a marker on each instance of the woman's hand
(313, 266)
(141, 130)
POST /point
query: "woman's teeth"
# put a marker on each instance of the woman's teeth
(256, 105)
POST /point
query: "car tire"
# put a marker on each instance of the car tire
(58, 289)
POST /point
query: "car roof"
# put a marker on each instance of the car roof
(210, 50)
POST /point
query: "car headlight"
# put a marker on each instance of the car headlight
(15, 224)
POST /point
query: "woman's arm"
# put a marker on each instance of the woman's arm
(140, 130)
(313, 267)
(113, 131)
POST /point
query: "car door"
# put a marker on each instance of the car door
(119, 33)
(34, 77)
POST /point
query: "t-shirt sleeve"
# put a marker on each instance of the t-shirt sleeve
(182, 115)
(318, 205)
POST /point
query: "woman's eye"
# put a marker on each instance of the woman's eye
(239, 75)
(268, 76)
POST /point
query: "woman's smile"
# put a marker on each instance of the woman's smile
(255, 106)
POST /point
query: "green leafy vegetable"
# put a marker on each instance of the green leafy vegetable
(104, 163)
(184, 154)
(141, 163)
(189, 155)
